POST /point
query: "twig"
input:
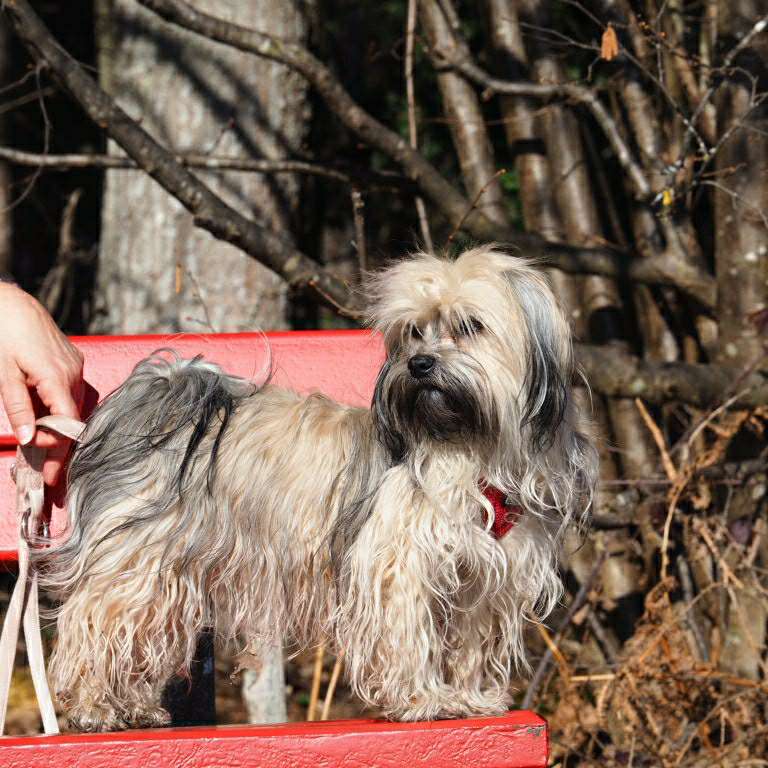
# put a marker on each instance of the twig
(552, 646)
(730, 392)
(360, 177)
(66, 236)
(317, 674)
(358, 207)
(728, 574)
(676, 493)
(687, 584)
(710, 416)
(46, 142)
(578, 601)
(198, 294)
(474, 203)
(413, 137)
(332, 686)
(350, 312)
(606, 642)
(9, 106)
(658, 438)
(57, 282)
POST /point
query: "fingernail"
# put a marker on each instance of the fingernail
(25, 434)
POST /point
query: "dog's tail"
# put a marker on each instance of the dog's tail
(151, 443)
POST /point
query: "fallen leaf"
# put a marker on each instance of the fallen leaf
(609, 47)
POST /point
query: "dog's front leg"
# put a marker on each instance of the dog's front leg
(396, 606)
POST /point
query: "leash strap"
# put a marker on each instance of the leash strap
(23, 608)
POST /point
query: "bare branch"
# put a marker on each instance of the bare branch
(476, 200)
(614, 373)
(209, 211)
(458, 58)
(358, 215)
(653, 270)
(413, 135)
(435, 187)
(352, 176)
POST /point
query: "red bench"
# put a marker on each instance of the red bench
(343, 365)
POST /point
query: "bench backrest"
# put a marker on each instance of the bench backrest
(341, 364)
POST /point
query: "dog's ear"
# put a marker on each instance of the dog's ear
(559, 450)
(549, 362)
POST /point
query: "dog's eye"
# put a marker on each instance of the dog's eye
(469, 327)
(416, 332)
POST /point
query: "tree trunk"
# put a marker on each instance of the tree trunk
(466, 121)
(264, 689)
(157, 271)
(741, 199)
(741, 233)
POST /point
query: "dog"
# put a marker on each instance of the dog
(419, 536)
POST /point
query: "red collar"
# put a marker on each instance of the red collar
(505, 515)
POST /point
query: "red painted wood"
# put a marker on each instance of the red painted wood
(341, 364)
(516, 740)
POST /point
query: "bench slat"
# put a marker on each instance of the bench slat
(516, 740)
(341, 364)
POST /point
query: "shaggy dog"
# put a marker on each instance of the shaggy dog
(419, 536)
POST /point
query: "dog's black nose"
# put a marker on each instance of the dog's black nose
(421, 365)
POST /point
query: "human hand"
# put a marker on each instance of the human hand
(34, 353)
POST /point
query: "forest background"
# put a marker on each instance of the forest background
(227, 165)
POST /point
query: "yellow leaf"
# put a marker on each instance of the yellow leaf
(609, 48)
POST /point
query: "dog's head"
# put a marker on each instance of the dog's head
(475, 347)
(478, 357)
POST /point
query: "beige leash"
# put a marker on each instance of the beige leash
(23, 607)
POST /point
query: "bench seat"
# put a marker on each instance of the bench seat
(515, 740)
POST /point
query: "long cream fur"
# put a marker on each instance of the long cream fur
(201, 500)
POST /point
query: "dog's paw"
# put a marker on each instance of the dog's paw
(477, 704)
(148, 717)
(451, 704)
(95, 719)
